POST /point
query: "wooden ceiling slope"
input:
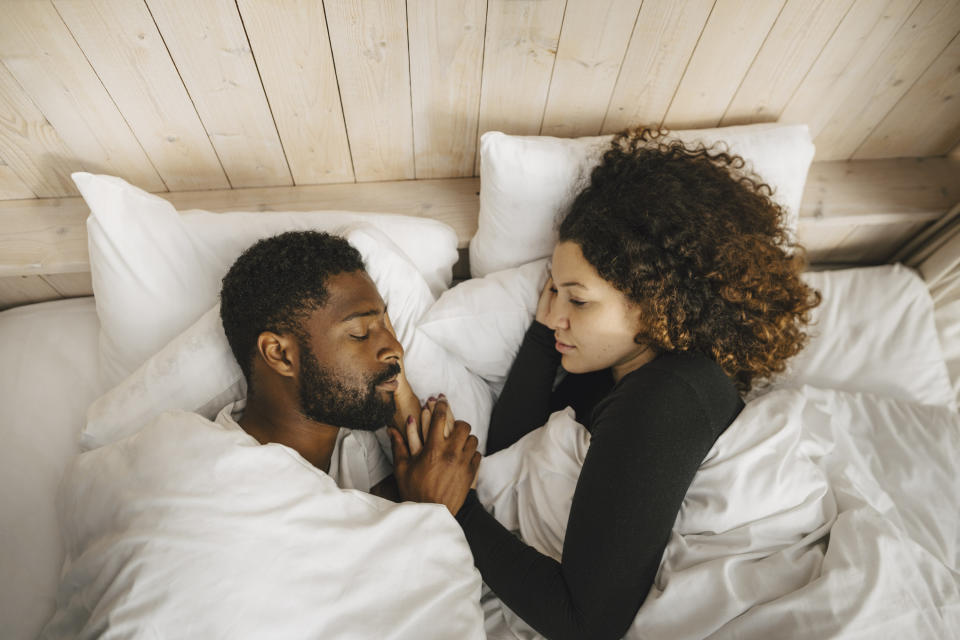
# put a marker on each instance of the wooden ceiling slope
(178, 95)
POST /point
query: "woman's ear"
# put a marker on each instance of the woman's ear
(279, 352)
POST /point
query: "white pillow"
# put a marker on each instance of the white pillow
(483, 320)
(197, 372)
(874, 331)
(155, 271)
(527, 183)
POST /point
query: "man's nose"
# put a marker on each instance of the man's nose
(391, 349)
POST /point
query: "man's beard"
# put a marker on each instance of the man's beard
(332, 400)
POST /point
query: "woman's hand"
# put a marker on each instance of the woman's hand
(547, 296)
(405, 400)
(445, 468)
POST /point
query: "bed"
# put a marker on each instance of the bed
(849, 528)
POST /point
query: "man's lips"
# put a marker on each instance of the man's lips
(389, 385)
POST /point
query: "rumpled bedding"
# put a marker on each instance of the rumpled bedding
(818, 513)
(193, 529)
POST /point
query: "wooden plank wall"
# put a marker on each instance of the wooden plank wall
(177, 95)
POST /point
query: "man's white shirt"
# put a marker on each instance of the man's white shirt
(358, 460)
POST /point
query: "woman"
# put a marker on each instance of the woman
(671, 291)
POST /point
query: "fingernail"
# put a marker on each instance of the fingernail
(432, 399)
(409, 419)
(443, 397)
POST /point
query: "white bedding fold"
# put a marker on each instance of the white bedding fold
(816, 514)
(193, 529)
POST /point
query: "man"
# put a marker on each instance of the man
(312, 336)
(258, 525)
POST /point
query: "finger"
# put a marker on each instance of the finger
(448, 425)
(425, 415)
(474, 465)
(400, 452)
(438, 422)
(471, 445)
(413, 437)
(459, 435)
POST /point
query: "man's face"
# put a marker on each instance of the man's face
(350, 361)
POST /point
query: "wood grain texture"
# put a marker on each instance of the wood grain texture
(662, 42)
(880, 191)
(728, 45)
(70, 285)
(11, 186)
(794, 42)
(936, 95)
(41, 54)
(519, 52)
(871, 95)
(852, 49)
(30, 147)
(121, 42)
(292, 50)
(446, 62)
(25, 289)
(369, 40)
(593, 42)
(209, 46)
(48, 236)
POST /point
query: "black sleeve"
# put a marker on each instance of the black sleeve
(648, 440)
(524, 403)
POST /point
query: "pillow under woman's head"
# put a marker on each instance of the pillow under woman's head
(528, 182)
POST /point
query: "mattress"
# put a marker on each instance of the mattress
(49, 356)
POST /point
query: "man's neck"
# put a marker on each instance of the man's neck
(285, 425)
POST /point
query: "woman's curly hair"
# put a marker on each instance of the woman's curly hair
(693, 237)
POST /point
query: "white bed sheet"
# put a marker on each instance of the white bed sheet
(48, 377)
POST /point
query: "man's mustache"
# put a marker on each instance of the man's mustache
(392, 370)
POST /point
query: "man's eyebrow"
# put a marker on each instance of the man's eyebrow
(364, 314)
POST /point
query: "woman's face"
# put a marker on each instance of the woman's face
(593, 322)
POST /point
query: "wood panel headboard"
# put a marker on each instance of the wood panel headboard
(857, 212)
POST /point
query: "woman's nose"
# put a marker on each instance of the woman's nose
(556, 319)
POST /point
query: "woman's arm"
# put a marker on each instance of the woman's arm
(648, 440)
(524, 402)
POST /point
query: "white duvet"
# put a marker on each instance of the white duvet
(190, 529)
(817, 514)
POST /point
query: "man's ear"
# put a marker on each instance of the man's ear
(279, 352)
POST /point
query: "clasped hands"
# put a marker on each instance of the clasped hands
(438, 465)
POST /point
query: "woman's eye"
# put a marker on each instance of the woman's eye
(553, 290)
(360, 338)
(577, 303)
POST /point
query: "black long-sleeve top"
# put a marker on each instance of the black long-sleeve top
(649, 433)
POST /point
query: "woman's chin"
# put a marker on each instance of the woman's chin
(570, 364)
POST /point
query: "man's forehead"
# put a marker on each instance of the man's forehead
(350, 295)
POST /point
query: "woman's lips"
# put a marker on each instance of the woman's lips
(564, 348)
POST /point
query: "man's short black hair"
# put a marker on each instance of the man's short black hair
(275, 285)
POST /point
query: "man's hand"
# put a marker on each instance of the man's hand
(444, 469)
